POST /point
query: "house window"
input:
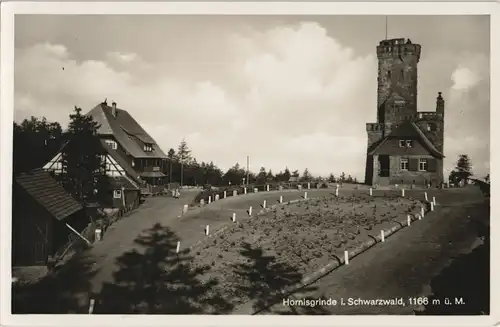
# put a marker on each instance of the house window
(403, 165)
(408, 143)
(402, 143)
(148, 147)
(112, 144)
(422, 164)
(117, 194)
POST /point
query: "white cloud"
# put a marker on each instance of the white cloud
(290, 96)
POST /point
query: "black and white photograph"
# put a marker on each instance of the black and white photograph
(274, 164)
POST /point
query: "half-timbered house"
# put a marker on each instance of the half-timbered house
(134, 145)
(124, 182)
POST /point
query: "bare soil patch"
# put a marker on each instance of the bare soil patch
(256, 257)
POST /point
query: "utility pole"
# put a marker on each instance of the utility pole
(386, 18)
(248, 169)
(182, 172)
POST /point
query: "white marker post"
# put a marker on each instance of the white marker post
(234, 217)
(409, 220)
(346, 257)
(267, 187)
(434, 200)
(403, 192)
(308, 186)
(235, 193)
(305, 195)
(178, 247)
(216, 197)
(419, 216)
(432, 206)
(202, 202)
(250, 211)
(245, 190)
(371, 191)
(422, 212)
(225, 194)
(91, 306)
(382, 235)
(185, 209)
(207, 230)
(396, 185)
(209, 199)
(426, 197)
(337, 192)
(264, 204)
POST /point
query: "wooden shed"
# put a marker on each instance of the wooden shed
(43, 217)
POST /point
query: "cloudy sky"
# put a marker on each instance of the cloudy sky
(290, 91)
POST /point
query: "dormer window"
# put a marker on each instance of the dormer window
(112, 144)
(148, 147)
(405, 143)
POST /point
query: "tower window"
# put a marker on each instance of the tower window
(403, 164)
(422, 164)
(431, 127)
(389, 73)
(402, 143)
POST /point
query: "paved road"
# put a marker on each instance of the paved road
(434, 255)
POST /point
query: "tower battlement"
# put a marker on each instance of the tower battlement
(398, 47)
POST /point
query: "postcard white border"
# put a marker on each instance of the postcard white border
(9, 9)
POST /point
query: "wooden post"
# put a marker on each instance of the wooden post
(346, 257)
(207, 230)
(371, 191)
(250, 211)
(382, 235)
(178, 247)
(80, 235)
(281, 198)
(409, 220)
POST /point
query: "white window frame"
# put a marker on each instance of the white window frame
(117, 194)
(423, 164)
(148, 148)
(112, 144)
(404, 163)
(409, 143)
(402, 143)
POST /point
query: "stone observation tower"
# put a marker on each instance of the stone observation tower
(405, 146)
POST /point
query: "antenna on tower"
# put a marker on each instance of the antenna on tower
(386, 18)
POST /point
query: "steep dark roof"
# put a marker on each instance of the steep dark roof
(409, 129)
(48, 193)
(127, 132)
(131, 173)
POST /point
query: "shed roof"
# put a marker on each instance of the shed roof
(46, 191)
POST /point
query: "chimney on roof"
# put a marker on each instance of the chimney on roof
(113, 109)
